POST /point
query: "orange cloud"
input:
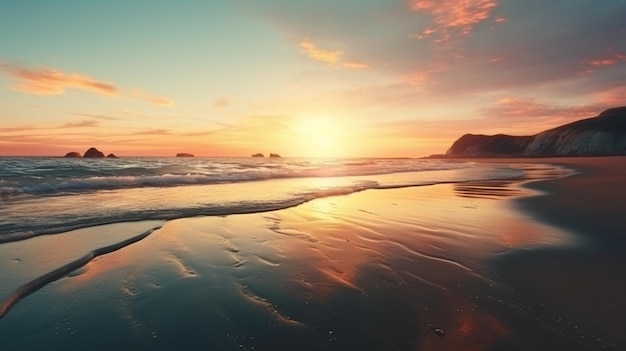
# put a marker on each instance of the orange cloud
(157, 100)
(311, 50)
(454, 16)
(81, 124)
(154, 132)
(48, 81)
(333, 58)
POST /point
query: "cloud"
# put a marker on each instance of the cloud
(530, 108)
(221, 102)
(153, 132)
(608, 60)
(47, 81)
(454, 17)
(332, 58)
(157, 100)
(81, 124)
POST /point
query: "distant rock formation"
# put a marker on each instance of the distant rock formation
(93, 153)
(603, 135)
(258, 155)
(184, 154)
(73, 154)
(274, 155)
(111, 156)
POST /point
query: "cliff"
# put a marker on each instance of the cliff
(602, 135)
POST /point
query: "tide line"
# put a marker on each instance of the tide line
(32, 286)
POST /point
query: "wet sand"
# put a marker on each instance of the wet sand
(472, 266)
(587, 284)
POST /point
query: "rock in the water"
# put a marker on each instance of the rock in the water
(603, 135)
(73, 154)
(258, 155)
(274, 155)
(93, 153)
(184, 154)
(111, 156)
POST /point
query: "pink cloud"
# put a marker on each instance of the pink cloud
(521, 107)
(454, 17)
(613, 97)
(332, 58)
(609, 60)
(46, 81)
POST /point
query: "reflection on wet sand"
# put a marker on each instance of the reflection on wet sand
(399, 269)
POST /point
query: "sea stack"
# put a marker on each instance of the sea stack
(274, 156)
(73, 154)
(93, 153)
(258, 155)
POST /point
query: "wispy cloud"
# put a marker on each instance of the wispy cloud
(157, 100)
(50, 81)
(47, 81)
(611, 59)
(81, 124)
(454, 17)
(153, 132)
(332, 58)
(526, 107)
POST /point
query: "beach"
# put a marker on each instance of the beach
(533, 262)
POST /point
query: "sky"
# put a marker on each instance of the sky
(324, 78)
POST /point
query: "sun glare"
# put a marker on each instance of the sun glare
(319, 137)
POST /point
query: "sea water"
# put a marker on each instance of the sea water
(49, 195)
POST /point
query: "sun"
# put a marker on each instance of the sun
(319, 137)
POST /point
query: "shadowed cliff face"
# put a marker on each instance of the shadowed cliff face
(596, 136)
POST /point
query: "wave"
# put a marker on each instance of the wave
(242, 172)
(34, 206)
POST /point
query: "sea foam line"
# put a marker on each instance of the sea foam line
(32, 286)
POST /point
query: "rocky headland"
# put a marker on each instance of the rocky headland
(603, 135)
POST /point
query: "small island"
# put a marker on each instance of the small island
(274, 155)
(184, 154)
(258, 155)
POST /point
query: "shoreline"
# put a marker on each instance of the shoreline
(584, 284)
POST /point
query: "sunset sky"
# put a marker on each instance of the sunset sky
(300, 78)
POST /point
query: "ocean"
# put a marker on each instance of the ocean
(49, 195)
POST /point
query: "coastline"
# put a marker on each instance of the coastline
(447, 267)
